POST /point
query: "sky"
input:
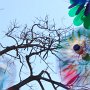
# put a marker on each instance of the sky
(26, 12)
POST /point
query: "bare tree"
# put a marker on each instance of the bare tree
(40, 40)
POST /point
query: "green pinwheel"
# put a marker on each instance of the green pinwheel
(80, 9)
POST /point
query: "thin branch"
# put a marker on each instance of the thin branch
(41, 85)
(29, 65)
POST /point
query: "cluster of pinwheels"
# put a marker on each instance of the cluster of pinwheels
(74, 50)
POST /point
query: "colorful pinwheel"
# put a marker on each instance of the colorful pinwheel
(81, 10)
(74, 60)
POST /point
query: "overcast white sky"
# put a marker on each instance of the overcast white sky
(25, 12)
